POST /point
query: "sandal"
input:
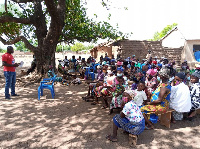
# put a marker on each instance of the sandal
(148, 127)
(189, 118)
(104, 107)
(94, 103)
(110, 138)
(110, 112)
(174, 122)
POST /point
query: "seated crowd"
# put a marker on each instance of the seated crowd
(142, 90)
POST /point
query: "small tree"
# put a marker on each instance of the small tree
(160, 35)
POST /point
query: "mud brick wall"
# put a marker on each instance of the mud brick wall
(139, 49)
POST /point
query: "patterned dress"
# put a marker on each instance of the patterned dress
(195, 96)
(133, 122)
(161, 107)
(116, 100)
(149, 83)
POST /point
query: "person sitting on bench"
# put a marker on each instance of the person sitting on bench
(159, 102)
(180, 99)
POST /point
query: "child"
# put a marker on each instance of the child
(117, 95)
(195, 94)
(126, 97)
(97, 92)
(139, 94)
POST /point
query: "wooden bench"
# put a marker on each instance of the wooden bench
(132, 140)
(165, 118)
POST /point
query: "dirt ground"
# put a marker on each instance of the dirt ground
(69, 122)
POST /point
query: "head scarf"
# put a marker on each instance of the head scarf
(120, 69)
(130, 92)
(196, 74)
(181, 75)
(104, 63)
(119, 63)
(151, 72)
(164, 72)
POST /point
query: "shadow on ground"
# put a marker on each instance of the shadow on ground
(69, 122)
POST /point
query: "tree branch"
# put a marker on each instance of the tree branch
(5, 19)
(6, 10)
(17, 39)
(22, 1)
(51, 7)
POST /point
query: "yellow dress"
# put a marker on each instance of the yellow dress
(161, 107)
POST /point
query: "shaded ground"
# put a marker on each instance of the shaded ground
(70, 122)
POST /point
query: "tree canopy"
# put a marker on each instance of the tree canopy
(17, 20)
(49, 22)
(160, 35)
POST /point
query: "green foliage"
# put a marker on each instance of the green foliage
(61, 48)
(20, 46)
(78, 47)
(2, 50)
(9, 29)
(160, 35)
(78, 27)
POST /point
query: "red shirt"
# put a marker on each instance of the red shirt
(8, 58)
(154, 62)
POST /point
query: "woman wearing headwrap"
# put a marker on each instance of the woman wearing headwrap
(194, 93)
(180, 99)
(159, 102)
(150, 82)
(118, 89)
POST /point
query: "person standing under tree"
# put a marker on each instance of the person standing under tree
(9, 64)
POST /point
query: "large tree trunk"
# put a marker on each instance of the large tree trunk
(45, 58)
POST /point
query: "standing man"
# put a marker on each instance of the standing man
(9, 72)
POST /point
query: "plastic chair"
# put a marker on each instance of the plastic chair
(47, 86)
(92, 75)
(94, 67)
(89, 73)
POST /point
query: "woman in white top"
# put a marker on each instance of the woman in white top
(180, 99)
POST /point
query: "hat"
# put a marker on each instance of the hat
(196, 74)
(133, 55)
(164, 72)
(181, 75)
